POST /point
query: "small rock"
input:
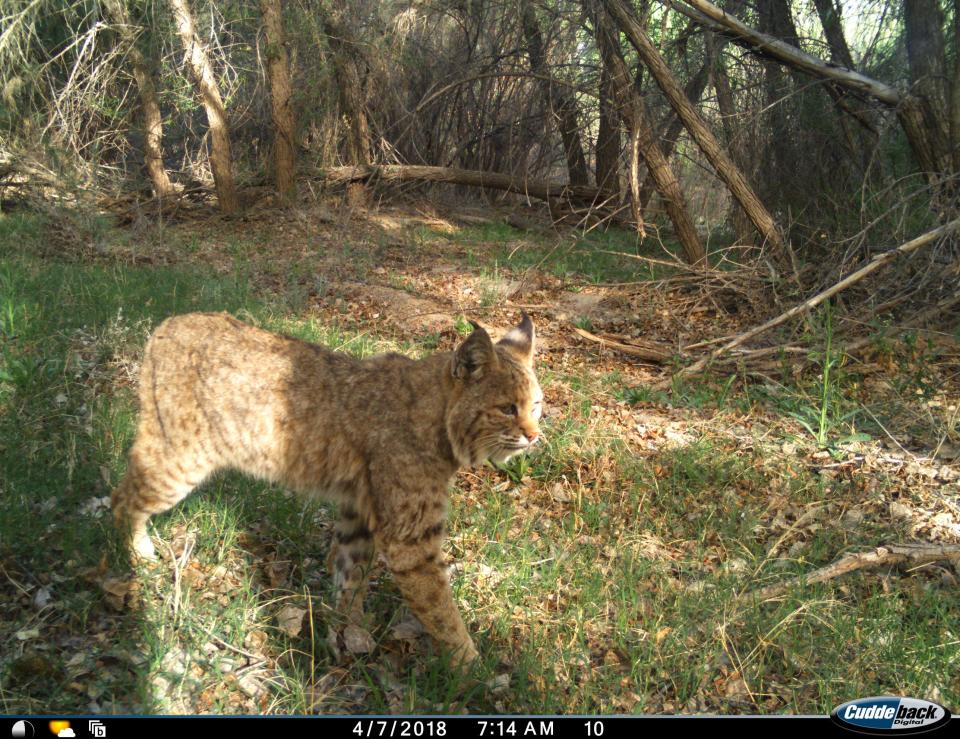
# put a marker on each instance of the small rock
(947, 474)
(900, 511)
(250, 685)
(499, 683)
(410, 629)
(255, 639)
(559, 494)
(42, 597)
(852, 518)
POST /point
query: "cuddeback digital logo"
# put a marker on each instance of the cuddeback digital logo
(890, 714)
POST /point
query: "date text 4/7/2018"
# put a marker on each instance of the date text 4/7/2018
(400, 728)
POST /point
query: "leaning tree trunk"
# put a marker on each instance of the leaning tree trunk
(955, 89)
(559, 101)
(221, 161)
(864, 139)
(832, 22)
(149, 103)
(281, 99)
(725, 168)
(926, 58)
(784, 146)
(634, 115)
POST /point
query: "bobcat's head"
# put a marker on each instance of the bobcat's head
(496, 413)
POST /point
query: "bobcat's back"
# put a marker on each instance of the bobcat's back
(215, 392)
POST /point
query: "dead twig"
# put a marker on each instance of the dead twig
(917, 320)
(888, 554)
(652, 260)
(649, 351)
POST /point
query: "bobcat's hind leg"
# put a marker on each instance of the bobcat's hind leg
(144, 491)
(351, 554)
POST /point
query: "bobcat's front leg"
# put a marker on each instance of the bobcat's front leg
(420, 574)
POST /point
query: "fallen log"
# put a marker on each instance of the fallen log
(579, 195)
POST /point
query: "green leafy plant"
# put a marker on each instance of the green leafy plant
(462, 325)
(822, 415)
(517, 467)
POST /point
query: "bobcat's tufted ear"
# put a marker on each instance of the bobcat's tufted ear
(475, 355)
(521, 339)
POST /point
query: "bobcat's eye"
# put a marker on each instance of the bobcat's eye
(509, 410)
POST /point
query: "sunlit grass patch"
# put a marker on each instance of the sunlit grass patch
(358, 343)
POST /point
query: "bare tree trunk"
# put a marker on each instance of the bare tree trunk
(726, 169)
(608, 137)
(721, 83)
(955, 90)
(350, 82)
(549, 191)
(221, 161)
(923, 27)
(862, 141)
(781, 107)
(281, 98)
(149, 103)
(932, 116)
(634, 115)
(559, 101)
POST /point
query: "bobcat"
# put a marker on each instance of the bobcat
(382, 436)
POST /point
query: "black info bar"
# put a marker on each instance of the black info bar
(423, 727)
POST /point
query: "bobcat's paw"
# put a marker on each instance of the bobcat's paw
(464, 655)
(142, 549)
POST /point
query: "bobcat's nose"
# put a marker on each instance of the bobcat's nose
(532, 436)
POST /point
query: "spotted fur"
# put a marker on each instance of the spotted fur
(383, 437)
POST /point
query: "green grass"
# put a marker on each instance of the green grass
(598, 577)
(591, 257)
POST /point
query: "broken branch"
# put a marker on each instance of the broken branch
(888, 554)
(650, 352)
